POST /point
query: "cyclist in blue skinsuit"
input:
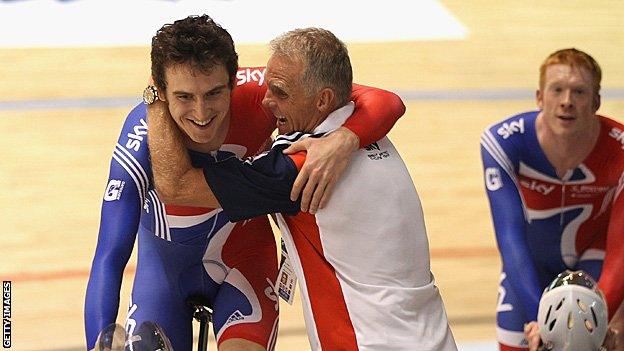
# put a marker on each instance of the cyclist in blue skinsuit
(554, 178)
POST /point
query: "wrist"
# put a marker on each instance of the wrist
(350, 139)
(157, 109)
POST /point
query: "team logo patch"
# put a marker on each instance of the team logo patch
(113, 190)
(377, 155)
(493, 179)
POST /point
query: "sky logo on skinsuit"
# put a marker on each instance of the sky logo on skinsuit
(534, 185)
(250, 75)
(114, 189)
(131, 322)
(618, 135)
(508, 129)
(493, 180)
(136, 137)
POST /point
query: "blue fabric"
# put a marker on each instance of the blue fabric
(249, 189)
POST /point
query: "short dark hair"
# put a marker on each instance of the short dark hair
(194, 40)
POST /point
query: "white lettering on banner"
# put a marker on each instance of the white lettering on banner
(537, 186)
(135, 139)
(618, 135)
(493, 179)
(114, 189)
(250, 75)
(508, 129)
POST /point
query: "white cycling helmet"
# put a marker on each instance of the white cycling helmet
(572, 313)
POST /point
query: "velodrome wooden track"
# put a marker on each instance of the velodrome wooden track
(54, 162)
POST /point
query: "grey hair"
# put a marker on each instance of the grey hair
(325, 60)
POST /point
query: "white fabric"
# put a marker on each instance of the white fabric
(373, 234)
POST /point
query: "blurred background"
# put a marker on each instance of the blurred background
(71, 70)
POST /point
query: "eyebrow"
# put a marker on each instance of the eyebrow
(218, 87)
(276, 88)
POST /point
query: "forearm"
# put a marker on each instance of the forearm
(101, 300)
(522, 275)
(509, 226)
(611, 281)
(115, 244)
(175, 179)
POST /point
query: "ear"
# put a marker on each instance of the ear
(539, 98)
(162, 92)
(596, 102)
(325, 100)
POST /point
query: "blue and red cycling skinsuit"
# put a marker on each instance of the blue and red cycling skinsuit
(545, 224)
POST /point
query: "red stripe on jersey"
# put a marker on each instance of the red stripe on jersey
(502, 347)
(177, 210)
(333, 324)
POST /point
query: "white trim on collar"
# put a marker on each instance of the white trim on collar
(335, 119)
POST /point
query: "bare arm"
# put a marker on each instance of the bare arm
(176, 180)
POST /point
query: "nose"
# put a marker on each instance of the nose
(566, 99)
(202, 110)
(268, 101)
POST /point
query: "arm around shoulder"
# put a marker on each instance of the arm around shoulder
(376, 111)
(175, 179)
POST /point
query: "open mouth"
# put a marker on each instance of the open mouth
(201, 124)
(281, 121)
(566, 118)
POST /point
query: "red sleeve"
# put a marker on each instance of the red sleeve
(611, 282)
(299, 159)
(376, 111)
